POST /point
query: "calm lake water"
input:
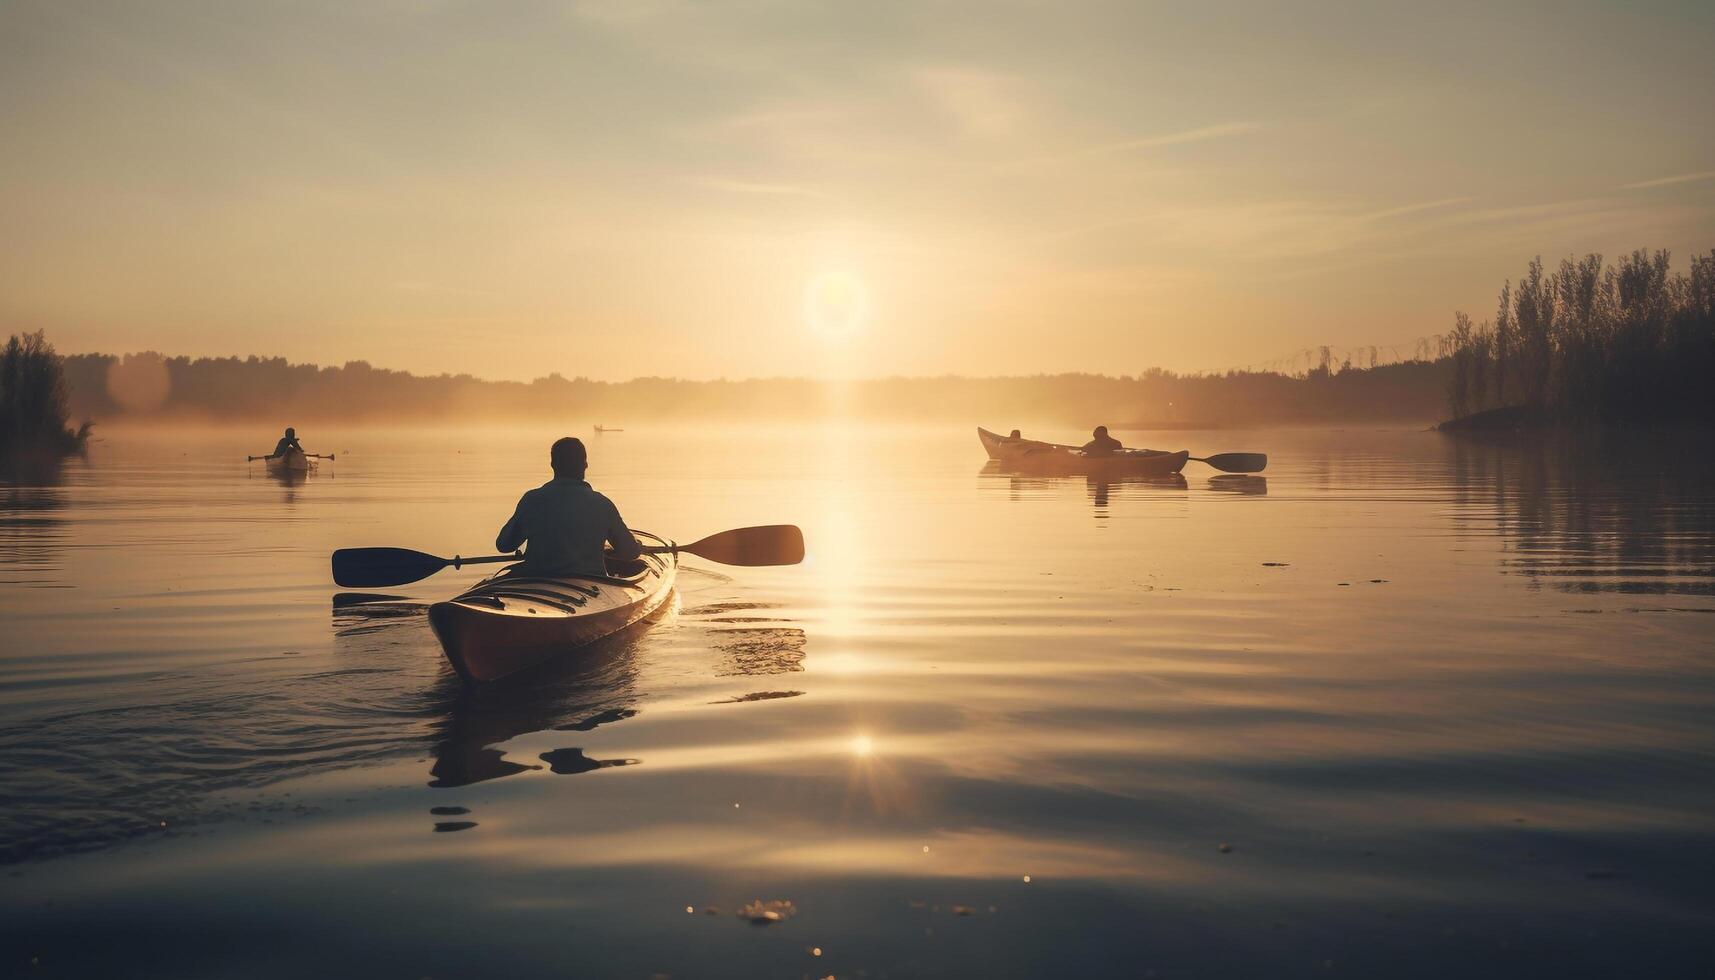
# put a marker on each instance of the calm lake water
(1406, 706)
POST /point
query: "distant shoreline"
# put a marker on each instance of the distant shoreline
(1506, 419)
(152, 386)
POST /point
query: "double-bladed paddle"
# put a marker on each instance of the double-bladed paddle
(370, 568)
(252, 459)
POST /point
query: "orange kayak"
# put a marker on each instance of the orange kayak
(515, 621)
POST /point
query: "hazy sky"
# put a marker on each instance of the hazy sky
(623, 188)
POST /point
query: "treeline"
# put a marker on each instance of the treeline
(271, 389)
(1594, 343)
(35, 413)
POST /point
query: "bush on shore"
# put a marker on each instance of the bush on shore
(1594, 343)
(34, 417)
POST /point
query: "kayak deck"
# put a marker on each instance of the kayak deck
(292, 461)
(515, 620)
(1053, 458)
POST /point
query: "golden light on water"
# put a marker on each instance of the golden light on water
(862, 747)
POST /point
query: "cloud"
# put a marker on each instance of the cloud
(754, 187)
(1197, 135)
(1666, 181)
(1266, 229)
(980, 103)
(1445, 202)
(626, 12)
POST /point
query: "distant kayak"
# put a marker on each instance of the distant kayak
(515, 620)
(292, 461)
(1051, 458)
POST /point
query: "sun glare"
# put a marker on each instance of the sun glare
(836, 304)
(862, 747)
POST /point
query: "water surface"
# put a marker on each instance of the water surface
(1403, 706)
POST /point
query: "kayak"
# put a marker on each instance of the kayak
(291, 461)
(516, 620)
(1053, 458)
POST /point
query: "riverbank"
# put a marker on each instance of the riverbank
(271, 390)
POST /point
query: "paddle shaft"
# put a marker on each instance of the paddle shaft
(457, 562)
(367, 568)
(252, 459)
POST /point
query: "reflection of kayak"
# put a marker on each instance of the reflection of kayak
(515, 620)
(1046, 457)
(291, 461)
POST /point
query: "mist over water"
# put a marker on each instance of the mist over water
(1402, 705)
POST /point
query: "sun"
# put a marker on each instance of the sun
(836, 304)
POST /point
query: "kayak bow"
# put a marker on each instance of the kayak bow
(516, 620)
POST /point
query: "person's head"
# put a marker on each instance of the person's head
(1015, 435)
(569, 458)
(1101, 432)
(291, 433)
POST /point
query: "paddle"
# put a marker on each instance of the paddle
(769, 544)
(369, 568)
(252, 459)
(1236, 462)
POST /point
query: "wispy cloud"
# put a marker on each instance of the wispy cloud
(426, 286)
(754, 187)
(1271, 228)
(1666, 181)
(625, 12)
(1197, 135)
(1445, 202)
(981, 103)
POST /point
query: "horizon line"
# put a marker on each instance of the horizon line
(723, 379)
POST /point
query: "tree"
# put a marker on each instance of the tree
(34, 418)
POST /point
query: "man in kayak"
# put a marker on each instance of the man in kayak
(1103, 444)
(566, 522)
(287, 443)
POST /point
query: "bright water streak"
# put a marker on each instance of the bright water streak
(1404, 706)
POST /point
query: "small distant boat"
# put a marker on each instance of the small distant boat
(515, 620)
(291, 461)
(1052, 458)
(599, 430)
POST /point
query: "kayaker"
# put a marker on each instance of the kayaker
(1015, 436)
(565, 522)
(287, 443)
(1103, 444)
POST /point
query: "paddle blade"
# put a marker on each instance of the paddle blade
(1239, 462)
(771, 544)
(370, 568)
